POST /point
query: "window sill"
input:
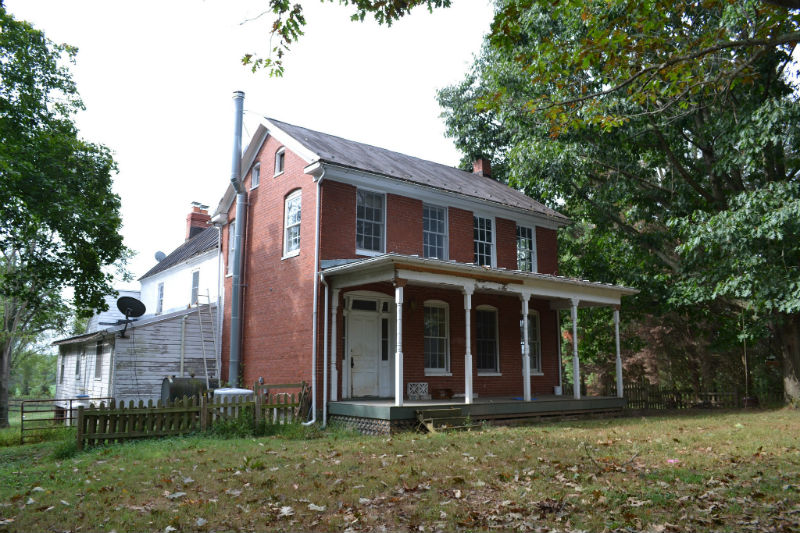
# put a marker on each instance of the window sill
(369, 253)
(294, 253)
(254, 187)
(536, 374)
(489, 374)
(98, 379)
(437, 373)
(278, 174)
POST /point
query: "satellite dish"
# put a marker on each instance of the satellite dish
(130, 307)
(160, 256)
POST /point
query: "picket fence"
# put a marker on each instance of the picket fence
(112, 422)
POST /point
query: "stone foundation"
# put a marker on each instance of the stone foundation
(373, 426)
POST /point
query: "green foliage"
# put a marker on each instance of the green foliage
(243, 425)
(33, 375)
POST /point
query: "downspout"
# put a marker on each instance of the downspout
(241, 211)
(316, 302)
(325, 355)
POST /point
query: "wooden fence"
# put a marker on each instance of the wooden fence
(647, 396)
(112, 422)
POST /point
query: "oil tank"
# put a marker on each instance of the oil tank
(173, 388)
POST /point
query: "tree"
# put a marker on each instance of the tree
(667, 186)
(59, 220)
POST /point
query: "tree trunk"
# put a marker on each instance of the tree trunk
(789, 334)
(5, 380)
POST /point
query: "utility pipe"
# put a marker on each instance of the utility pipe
(239, 225)
(315, 304)
(325, 355)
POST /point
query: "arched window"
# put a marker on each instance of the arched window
(487, 343)
(279, 161)
(437, 338)
(291, 225)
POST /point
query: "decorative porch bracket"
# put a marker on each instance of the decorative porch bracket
(398, 357)
(576, 367)
(468, 290)
(526, 351)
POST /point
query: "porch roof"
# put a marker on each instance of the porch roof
(417, 270)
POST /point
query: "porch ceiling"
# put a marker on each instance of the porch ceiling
(415, 270)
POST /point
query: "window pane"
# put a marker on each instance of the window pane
(434, 232)
(482, 231)
(292, 223)
(369, 221)
(525, 249)
(487, 340)
(435, 338)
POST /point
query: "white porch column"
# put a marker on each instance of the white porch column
(468, 290)
(526, 350)
(334, 345)
(398, 356)
(620, 393)
(576, 368)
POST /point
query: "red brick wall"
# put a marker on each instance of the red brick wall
(506, 243)
(546, 250)
(403, 225)
(461, 236)
(337, 221)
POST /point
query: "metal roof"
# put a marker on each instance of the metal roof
(364, 157)
(470, 268)
(204, 241)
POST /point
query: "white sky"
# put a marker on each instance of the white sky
(157, 79)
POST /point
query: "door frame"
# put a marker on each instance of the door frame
(385, 309)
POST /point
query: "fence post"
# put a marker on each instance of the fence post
(80, 427)
(257, 407)
(203, 412)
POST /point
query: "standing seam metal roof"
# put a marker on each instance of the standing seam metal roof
(360, 156)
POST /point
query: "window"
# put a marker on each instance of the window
(526, 249)
(195, 286)
(369, 221)
(79, 364)
(486, 334)
(280, 157)
(160, 299)
(384, 339)
(231, 243)
(364, 305)
(434, 231)
(255, 176)
(291, 226)
(98, 361)
(534, 341)
(484, 241)
(63, 369)
(436, 338)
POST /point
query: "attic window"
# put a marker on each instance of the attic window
(279, 160)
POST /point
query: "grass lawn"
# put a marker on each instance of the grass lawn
(735, 471)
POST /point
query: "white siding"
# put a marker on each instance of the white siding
(86, 384)
(152, 351)
(112, 314)
(178, 284)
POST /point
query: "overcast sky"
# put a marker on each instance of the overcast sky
(157, 79)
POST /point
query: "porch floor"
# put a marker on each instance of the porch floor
(486, 408)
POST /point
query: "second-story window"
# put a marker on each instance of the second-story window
(280, 158)
(526, 249)
(484, 241)
(291, 226)
(160, 299)
(255, 176)
(195, 286)
(434, 231)
(369, 221)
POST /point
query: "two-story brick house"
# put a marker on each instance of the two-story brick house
(421, 274)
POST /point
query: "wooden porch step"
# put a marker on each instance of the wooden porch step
(442, 419)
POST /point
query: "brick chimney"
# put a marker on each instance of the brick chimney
(197, 220)
(483, 167)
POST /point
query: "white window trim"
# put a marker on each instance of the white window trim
(534, 313)
(372, 253)
(256, 170)
(494, 236)
(446, 230)
(291, 253)
(446, 370)
(491, 373)
(159, 298)
(534, 254)
(280, 151)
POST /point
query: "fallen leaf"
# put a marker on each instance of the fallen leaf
(285, 511)
(200, 522)
(312, 507)
(37, 489)
(176, 495)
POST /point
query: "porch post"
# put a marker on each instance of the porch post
(526, 350)
(334, 345)
(468, 290)
(398, 356)
(576, 369)
(620, 393)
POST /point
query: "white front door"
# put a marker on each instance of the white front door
(364, 344)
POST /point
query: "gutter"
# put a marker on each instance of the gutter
(317, 277)
(241, 213)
